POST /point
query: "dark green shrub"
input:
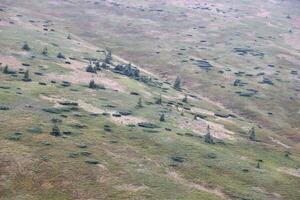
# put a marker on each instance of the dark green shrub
(147, 125)
(60, 56)
(91, 69)
(92, 162)
(26, 47)
(74, 155)
(4, 107)
(16, 136)
(178, 159)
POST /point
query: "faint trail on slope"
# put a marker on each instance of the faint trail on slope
(175, 176)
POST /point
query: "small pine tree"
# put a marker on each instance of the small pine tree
(208, 138)
(162, 117)
(26, 47)
(159, 100)
(185, 99)
(26, 77)
(252, 134)
(139, 103)
(55, 131)
(177, 83)
(195, 117)
(92, 84)
(108, 56)
(182, 113)
(6, 70)
(45, 51)
(258, 165)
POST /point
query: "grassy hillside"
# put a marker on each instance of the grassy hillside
(130, 134)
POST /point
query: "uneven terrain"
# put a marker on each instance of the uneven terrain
(231, 131)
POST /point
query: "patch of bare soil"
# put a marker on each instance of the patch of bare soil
(11, 61)
(279, 142)
(293, 40)
(200, 128)
(273, 196)
(290, 171)
(79, 75)
(93, 109)
(131, 187)
(176, 177)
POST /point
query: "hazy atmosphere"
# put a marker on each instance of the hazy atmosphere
(149, 100)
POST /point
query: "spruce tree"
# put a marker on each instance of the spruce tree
(162, 117)
(185, 99)
(252, 135)
(92, 84)
(139, 103)
(258, 165)
(26, 77)
(61, 56)
(159, 100)
(6, 70)
(45, 51)
(177, 83)
(108, 56)
(208, 138)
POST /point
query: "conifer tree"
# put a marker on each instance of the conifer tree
(45, 51)
(185, 99)
(162, 117)
(139, 103)
(159, 100)
(6, 70)
(252, 135)
(26, 77)
(177, 83)
(208, 138)
(92, 84)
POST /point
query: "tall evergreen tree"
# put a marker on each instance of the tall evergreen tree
(92, 84)
(162, 117)
(159, 100)
(108, 56)
(177, 83)
(139, 103)
(185, 99)
(45, 51)
(6, 70)
(252, 135)
(208, 138)
(26, 77)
